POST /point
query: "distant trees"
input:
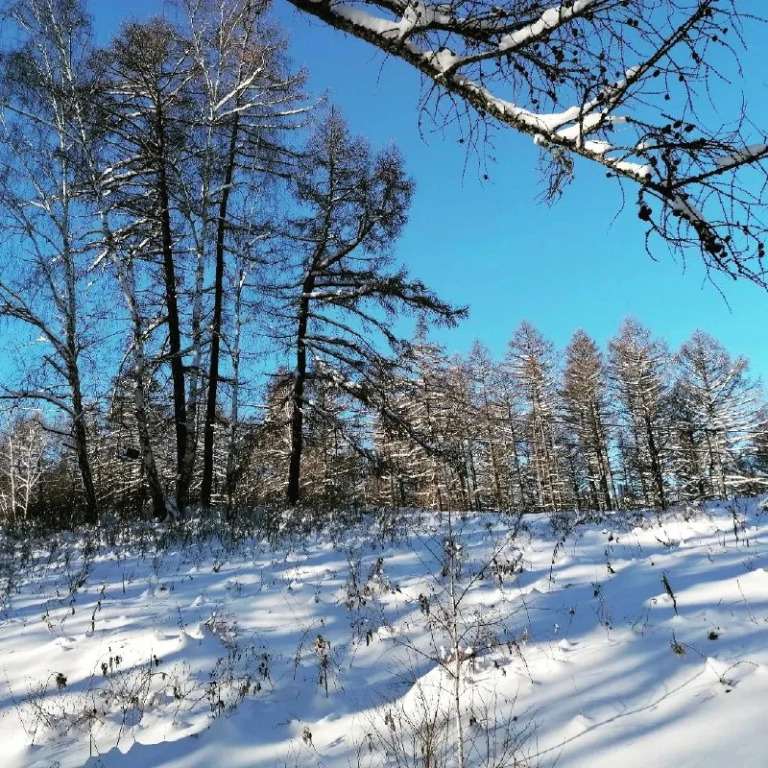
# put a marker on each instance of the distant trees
(640, 427)
(22, 462)
(617, 83)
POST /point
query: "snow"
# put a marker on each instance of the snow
(550, 19)
(743, 156)
(416, 15)
(688, 210)
(443, 59)
(138, 647)
(638, 170)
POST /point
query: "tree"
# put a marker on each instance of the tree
(336, 295)
(22, 451)
(248, 97)
(622, 83)
(585, 404)
(144, 80)
(640, 372)
(422, 435)
(531, 366)
(48, 290)
(720, 404)
(489, 417)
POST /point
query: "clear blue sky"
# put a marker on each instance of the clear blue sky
(489, 244)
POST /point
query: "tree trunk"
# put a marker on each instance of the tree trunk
(84, 464)
(218, 291)
(297, 395)
(656, 471)
(183, 459)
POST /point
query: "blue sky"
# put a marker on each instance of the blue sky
(490, 245)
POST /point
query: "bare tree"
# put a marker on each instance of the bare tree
(626, 84)
(22, 450)
(336, 293)
(48, 288)
(248, 98)
(640, 372)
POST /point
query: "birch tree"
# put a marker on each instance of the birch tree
(248, 99)
(48, 291)
(22, 461)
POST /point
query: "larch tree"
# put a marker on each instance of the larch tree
(489, 414)
(641, 382)
(721, 405)
(337, 292)
(625, 84)
(144, 79)
(585, 409)
(421, 439)
(532, 368)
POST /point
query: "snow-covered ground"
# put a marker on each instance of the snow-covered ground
(627, 642)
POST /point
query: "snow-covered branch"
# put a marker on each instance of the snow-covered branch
(616, 83)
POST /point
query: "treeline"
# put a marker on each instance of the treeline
(636, 426)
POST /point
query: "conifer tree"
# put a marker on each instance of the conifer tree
(585, 404)
(720, 406)
(531, 366)
(640, 372)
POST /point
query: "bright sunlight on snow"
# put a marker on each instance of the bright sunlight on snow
(629, 640)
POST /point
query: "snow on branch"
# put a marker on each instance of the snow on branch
(626, 84)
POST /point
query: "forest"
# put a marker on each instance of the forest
(203, 307)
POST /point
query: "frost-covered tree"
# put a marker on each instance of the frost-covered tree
(719, 405)
(489, 417)
(532, 367)
(641, 381)
(625, 84)
(585, 408)
(416, 437)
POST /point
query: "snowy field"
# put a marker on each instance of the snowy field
(626, 642)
